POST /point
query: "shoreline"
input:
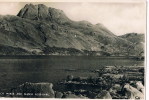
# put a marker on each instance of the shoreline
(46, 56)
(109, 81)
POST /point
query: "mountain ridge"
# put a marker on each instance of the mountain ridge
(37, 28)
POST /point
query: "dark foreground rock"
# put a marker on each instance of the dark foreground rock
(103, 95)
(116, 88)
(58, 94)
(34, 90)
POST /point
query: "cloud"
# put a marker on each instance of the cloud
(119, 18)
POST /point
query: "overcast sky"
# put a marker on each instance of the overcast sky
(120, 18)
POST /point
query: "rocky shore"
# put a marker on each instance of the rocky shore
(111, 82)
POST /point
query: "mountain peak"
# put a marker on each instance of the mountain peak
(41, 12)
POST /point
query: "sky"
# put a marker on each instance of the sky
(119, 17)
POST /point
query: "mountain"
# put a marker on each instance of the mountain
(38, 29)
(138, 41)
(134, 37)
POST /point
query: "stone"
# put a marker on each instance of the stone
(69, 94)
(115, 88)
(132, 93)
(58, 94)
(35, 90)
(69, 77)
(140, 86)
(91, 94)
(103, 95)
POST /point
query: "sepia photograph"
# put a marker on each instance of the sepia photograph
(73, 50)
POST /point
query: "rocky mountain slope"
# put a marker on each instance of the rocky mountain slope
(138, 41)
(38, 29)
(134, 37)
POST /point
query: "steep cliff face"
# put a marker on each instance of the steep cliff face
(42, 12)
(37, 29)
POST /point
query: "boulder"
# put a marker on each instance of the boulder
(35, 90)
(58, 94)
(69, 77)
(91, 94)
(140, 86)
(115, 88)
(132, 93)
(103, 95)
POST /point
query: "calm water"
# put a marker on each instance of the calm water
(52, 68)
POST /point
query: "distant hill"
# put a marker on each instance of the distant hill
(134, 37)
(138, 40)
(38, 29)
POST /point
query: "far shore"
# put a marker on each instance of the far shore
(45, 56)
